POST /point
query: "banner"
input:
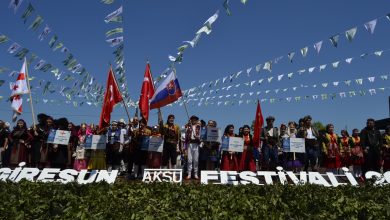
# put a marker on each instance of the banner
(58, 137)
(95, 142)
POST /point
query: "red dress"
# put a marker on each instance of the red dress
(247, 161)
(357, 158)
(332, 151)
(229, 161)
(345, 152)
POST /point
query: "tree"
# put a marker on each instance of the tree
(319, 126)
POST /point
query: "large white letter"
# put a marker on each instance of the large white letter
(206, 175)
(28, 174)
(248, 177)
(67, 176)
(48, 174)
(316, 178)
(109, 178)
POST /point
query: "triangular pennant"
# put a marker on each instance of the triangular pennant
(311, 69)
(371, 79)
(372, 91)
(384, 77)
(362, 92)
(352, 93)
(347, 82)
(304, 51)
(267, 91)
(290, 75)
(290, 56)
(258, 68)
(342, 94)
(359, 81)
(294, 88)
(370, 26)
(268, 66)
(248, 71)
(324, 96)
(349, 60)
(350, 34)
(276, 91)
(260, 81)
(224, 79)
(334, 40)
(253, 82)
(298, 98)
(301, 71)
(363, 55)
(270, 78)
(288, 99)
(280, 77)
(378, 53)
(315, 97)
(335, 64)
(335, 84)
(324, 85)
(322, 67)
(317, 46)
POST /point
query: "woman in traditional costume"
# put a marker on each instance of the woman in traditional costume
(229, 159)
(19, 138)
(331, 149)
(357, 158)
(247, 160)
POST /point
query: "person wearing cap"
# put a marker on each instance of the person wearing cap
(312, 146)
(171, 133)
(193, 142)
(270, 149)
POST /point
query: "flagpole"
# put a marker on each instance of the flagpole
(29, 92)
(123, 101)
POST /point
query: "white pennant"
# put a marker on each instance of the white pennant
(315, 97)
(238, 74)
(294, 88)
(280, 77)
(290, 75)
(304, 51)
(270, 78)
(359, 81)
(370, 26)
(335, 64)
(268, 66)
(335, 84)
(349, 60)
(371, 79)
(251, 93)
(260, 81)
(276, 91)
(315, 86)
(378, 53)
(224, 79)
(347, 82)
(311, 69)
(248, 71)
(384, 77)
(317, 46)
(322, 67)
(229, 87)
(258, 93)
(242, 94)
(258, 67)
(372, 91)
(342, 95)
(334, 40)
(288, 99)
(267, 91)
(253, 82)
(290, 56)
(324, 85)
(301, 71)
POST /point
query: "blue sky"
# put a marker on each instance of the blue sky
(255, 33)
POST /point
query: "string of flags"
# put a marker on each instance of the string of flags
(272, 100)
(55, 44)
(334, 40)
(218, 94)
(321, 68)
(115, 39)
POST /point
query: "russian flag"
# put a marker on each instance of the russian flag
(168, 92)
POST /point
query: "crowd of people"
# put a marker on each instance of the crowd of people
(185, 147)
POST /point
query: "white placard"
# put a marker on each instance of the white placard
(297, 145)
(95, 142)
(59, 137)
(234, 144)
(156, 144)
(213, 134)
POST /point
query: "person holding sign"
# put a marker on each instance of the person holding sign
(229, 159)
(171, 133)
(247, 160)
(331, 148)
(154, 157)
(211, 145)
(270, 138)
(58, 153)
(311, 135)
(141, 135)
(80, 163)
(193, 142)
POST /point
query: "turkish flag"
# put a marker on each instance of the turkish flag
(111, 97)
(259, 121)
(147, 93)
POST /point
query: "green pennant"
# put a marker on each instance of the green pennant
(22, 53)
(114, 31)
(53, 41)
(36, 23)
(26, 14)
(32, 58)
(117, 19)
(58, 46)
(3, 39)
(227, 8)
(46, 67)
(107, 2)
(68, 59)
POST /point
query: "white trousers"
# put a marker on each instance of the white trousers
(193, 158)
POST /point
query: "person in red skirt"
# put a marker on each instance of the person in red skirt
(229, 159)
(345, 151)
(357, 158)
(247, 160)
(331, 149)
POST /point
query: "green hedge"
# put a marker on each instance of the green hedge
(28, 200)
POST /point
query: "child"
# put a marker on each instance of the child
(80, 162)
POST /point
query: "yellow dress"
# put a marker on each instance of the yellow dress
(97, 160)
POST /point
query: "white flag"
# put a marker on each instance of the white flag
(114, 14)
(370, 26)
(371, 79)
(304, 51)
(20, 86)
(350, 34)
(349, 60)
(317, 46)
(335, 64)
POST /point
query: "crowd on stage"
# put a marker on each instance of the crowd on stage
(185, 148)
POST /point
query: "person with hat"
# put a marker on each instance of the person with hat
(192, 146)
(171, 133)
(270, 139)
